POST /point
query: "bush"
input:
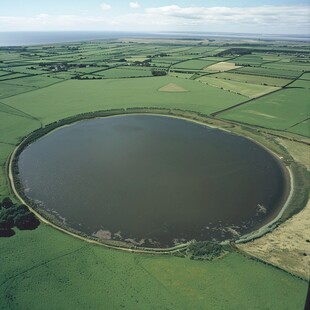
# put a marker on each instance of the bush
(205, 250)
(159, 72)
(26, 221)
(6, 203)
(15, 216)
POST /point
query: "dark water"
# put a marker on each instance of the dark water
(154, 179)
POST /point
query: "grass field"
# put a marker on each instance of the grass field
(250, 60)
(245, 89)
(86, 276)
(222, 67)
(125, 72)
(5, 151)
(253, 79)
(293, 66)
(301, 83)
(306, 76)
(195, 64)
(64, 99)
(7, 90)
(47, 269)
(36, 81)
(279, 110)
(12, 76)
(280, 73)
(302, 128)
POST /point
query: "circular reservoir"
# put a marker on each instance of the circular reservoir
(154, 181)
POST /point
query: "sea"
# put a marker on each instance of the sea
(25, 38)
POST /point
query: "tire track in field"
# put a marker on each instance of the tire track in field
(19, 113)
(42, 264)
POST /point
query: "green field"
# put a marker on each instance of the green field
(7, 90)
(125, 72)
(36, 81)
(279, 72)
(279, 110)
(245, 89)
(300, 83)
(11, 76)
(195, 64)
(46, 265)
(302, 128)
(47, 269)
(294, 66)
(64, 99)
(306, 76)
(5, 151)
(250, 60)
(253, 79)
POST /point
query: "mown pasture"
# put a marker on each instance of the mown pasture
(281, 73)
(125, 72)
(280, 110)
(252, 79)
(302, 128)
(7, 90)
(49, 268)
(195, 64)
(245, 89)
(64, 99)
(300, 83)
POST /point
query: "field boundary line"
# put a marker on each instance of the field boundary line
(297, 123)
(41, 264)
(28, 91)
(244, 102)
(26, 114)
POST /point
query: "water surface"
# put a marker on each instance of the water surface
(152, 180)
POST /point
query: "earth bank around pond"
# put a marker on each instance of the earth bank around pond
(174, 160)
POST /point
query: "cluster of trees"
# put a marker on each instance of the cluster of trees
(205, 250)
(159, 72)
(235, 51)
(79, 77)
(12, 215)
(144, 63)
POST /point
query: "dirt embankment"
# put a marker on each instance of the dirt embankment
(288, 246)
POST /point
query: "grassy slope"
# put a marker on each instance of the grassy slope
(47, 269)
(71, 97)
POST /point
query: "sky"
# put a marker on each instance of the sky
(250, 16)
